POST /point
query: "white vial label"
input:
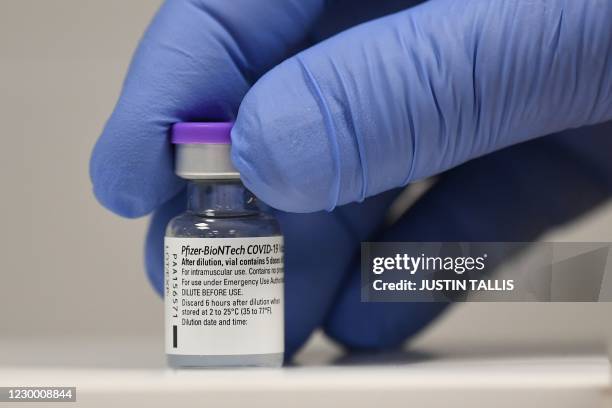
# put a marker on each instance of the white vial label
(224, 296)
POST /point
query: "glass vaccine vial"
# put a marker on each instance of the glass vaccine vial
(223, 262)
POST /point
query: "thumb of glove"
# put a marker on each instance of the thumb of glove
(418, 92)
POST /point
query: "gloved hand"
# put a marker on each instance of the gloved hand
(358, 115)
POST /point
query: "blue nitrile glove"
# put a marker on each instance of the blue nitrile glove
(362, 113)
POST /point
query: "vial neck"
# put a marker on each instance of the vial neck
(220, 198)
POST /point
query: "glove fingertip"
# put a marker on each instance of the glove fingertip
(121, 204)
(280, 146)
(131, 167)
(265, 188)
(109, 183)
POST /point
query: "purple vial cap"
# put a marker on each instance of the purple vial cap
(202, 133)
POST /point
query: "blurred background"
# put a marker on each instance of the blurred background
(71, 268)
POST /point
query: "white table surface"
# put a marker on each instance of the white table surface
(125, 371)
